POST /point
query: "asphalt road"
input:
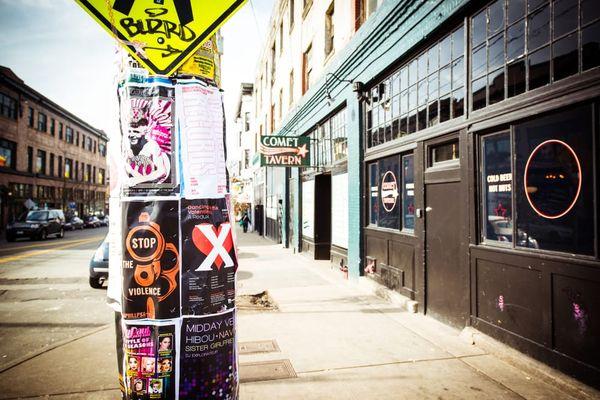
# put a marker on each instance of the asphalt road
(45, 297)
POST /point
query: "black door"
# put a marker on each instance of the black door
(322, 217)
(446, 272)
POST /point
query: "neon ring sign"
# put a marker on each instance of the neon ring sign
(389, 191)
(552, 176)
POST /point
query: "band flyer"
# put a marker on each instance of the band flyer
(150, 266)
(208, 367)
(200, 127)
(149, 140)
(209, 259)
(149, 357)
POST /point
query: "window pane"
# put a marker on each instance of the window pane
(496, 86)
(433, 58)
(589, 11)
(516, 10)
(404, 78)
(374, 197)
(404, 102)
(496, 17)
(422, 62)
(515, 41)
(478, 66)
(445, 50)
(565, 17)
(445, 108)
(516, 78)
(412, 97)
(408, 192)
(496, 52)
(433, 86)
(389, 215)
(458, 73)
(422, 118)
(395, 129)
(554, 163)
(539, 28)
(433, 113)
(478, 89)
(533, 4)
(565, 60)
(458, 103)
(422, 93)
(412, 122)
(458, 43)
(396, 107)
(444, 152)
(539, 68)
(412, 72)
(590, 40)
(369, 119)
(445, 80)
(403, 126)
(497, 188)
(478, 28)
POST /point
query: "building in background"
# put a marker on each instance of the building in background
(454, 159)
(243, 161)
(49, 158)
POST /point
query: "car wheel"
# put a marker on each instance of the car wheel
(61, 234)
(95, 283)
(43, 234)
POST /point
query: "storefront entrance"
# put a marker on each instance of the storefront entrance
(322, 217)
(446, 276)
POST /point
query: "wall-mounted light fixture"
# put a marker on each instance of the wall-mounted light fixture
(357, 87)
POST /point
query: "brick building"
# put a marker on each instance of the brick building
(48, 156)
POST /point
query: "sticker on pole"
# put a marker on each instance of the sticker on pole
(161, 34)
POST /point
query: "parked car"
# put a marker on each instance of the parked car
(103, 220)
(74, 223)
(99, 266)
(38, 224)
(91, 221)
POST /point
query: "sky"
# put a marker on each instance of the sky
(61, 52)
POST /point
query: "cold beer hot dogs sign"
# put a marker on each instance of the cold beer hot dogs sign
(281, 151)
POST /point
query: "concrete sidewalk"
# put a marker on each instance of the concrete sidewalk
(328, 339)
(343, 342)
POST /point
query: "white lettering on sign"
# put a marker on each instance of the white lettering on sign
(278, 141)
(495, 185)
(143, 243)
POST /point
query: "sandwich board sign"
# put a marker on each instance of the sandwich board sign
(161, 34)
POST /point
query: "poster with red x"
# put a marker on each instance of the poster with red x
(209, 261)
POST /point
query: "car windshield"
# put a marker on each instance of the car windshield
(37, 216)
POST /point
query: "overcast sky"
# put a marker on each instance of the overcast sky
(61, 52)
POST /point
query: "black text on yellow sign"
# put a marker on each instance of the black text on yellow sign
(161, 34)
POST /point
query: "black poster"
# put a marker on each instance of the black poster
(150, 267)
(208, 367)
(149, 361)
(209, 261)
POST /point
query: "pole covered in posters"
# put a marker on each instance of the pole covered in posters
(172, 246)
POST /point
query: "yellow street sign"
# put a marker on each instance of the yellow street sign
(161, 34)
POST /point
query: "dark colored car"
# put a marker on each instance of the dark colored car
(38, 224)
(74, 223)
(99, 266)
(91, 221)
(103, 219)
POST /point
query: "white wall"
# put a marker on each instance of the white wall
(339, 210)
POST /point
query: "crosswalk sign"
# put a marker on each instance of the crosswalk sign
(161, 34)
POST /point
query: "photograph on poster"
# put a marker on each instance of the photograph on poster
(150, 370)
(209, 261)
(149, 140)
(150, 267)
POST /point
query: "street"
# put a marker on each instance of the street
(46, 302)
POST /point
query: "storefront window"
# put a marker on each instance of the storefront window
(529, 47)
(408, 192)
(497, 188)
(389, 214)
(555, 182)
(8, 152)
(551, 185)
(427, 90)
(373, 194)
